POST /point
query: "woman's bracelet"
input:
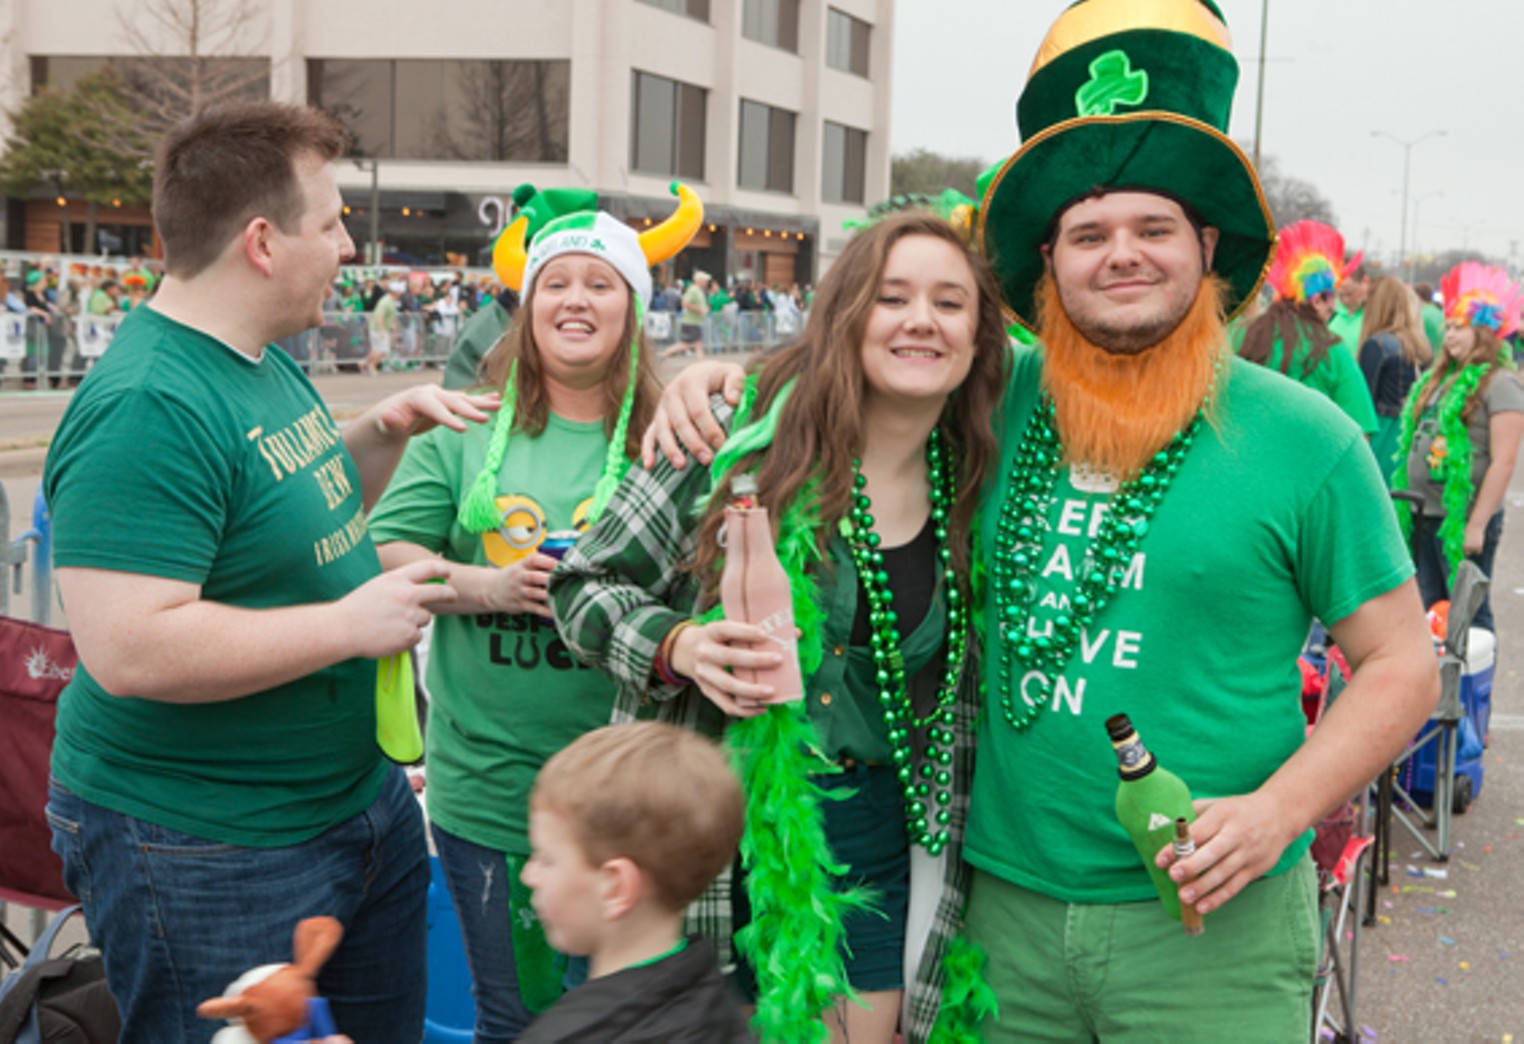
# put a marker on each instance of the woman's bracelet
(663, 663)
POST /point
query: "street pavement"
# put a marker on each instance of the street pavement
(1445, 962)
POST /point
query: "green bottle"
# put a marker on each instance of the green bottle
(1149, 800)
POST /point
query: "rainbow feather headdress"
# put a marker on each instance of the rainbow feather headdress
(1309, 260)
(1480, 295)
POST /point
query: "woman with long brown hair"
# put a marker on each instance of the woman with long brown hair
(1461, 429)
(868, 438)
(1393, 351)
(496, 504)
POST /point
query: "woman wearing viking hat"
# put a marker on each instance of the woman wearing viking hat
(578, 387)
(1461, 429)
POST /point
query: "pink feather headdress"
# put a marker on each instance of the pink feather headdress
(1480, 295)
(1309, 259)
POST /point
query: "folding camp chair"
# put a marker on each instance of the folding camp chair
(1395, 802)
(35, 664)
(1340, 850)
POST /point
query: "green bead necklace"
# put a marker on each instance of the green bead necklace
(927, 791)
(1019, 541)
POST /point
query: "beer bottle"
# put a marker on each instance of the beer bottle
(1149, 800)
(755, 589)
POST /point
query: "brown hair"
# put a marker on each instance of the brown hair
(661, 796)
(819, 430)
(1393, 308)
(228, 164)
(532, 401)
(1288, 322)
(1490, 348)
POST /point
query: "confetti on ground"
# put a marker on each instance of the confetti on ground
(1464, 966)
(1383, 919)
(1417, 888)
(1442, 981)
(1447, 940)
(1504, 955)
(1398, 958)
(1472, 866)
(1448, 893)
(1435, 872)
(1367, 1033)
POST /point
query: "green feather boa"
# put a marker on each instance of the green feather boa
(794, 940)
(1458, 490)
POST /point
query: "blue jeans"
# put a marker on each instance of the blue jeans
(179, 917)
(479, 887)
(1434, 569)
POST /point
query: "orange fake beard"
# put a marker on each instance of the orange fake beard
(1115, 411)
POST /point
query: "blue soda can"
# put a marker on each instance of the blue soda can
(557, 541)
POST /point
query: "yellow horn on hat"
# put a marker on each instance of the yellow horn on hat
(508, 254)
(667, 238)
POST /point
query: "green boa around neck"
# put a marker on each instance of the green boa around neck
(478, 508)
(1458, 490)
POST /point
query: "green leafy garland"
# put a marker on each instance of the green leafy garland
(1458, 490)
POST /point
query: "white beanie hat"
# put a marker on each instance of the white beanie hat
(599, 234)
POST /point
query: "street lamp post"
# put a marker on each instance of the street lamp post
(1259, 92)
(1417, 228)
(1407, 156)
(373, 248)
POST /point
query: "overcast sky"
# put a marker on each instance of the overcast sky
(1336, 71)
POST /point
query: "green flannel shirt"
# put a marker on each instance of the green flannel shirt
(623, 587)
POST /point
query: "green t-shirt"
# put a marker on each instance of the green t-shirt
(180, 458)
(1338, 376)
(1277, 515)
(1502, 394)
(1433, 324)
(505, 694)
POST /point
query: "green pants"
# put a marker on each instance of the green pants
(1127, 972)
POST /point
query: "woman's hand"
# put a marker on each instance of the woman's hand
(1475, 537)
(683, 417)
(523, 586)
(709, 653)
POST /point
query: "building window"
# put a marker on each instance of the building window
(698, 10)
(474, 110)
(667, 127)
(772, 22)
(162, 84)
(846, 42)
(767, 147)
(845, 174)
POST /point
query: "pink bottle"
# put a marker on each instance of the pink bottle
(754, 588)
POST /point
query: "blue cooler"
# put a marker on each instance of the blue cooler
(1417, 774)
(450, 1015)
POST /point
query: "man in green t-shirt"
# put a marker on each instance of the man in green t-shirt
(1165, 522)
(216, 773)
(1349, 312)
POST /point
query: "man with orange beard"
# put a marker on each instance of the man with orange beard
(1158, 539)
(1166, 522)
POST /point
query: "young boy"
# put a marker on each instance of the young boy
(628, 825)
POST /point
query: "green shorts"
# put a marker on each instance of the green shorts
(1128, 972)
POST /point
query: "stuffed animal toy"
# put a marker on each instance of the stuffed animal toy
(271, 1001)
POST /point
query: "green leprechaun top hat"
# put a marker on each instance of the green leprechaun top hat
(1127, 94)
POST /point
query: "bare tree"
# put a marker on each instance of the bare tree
(1292, 199)
(188, 54)
(505, 110)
